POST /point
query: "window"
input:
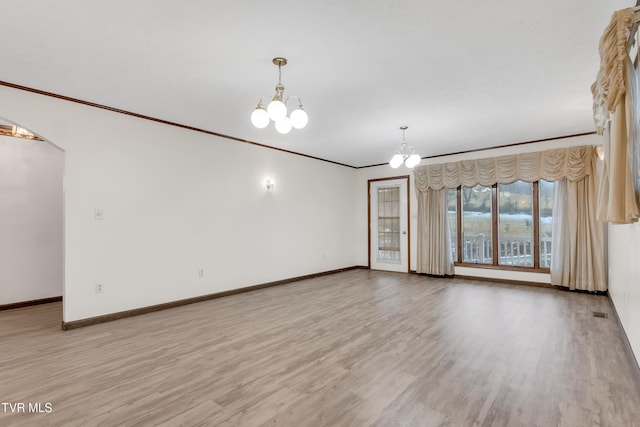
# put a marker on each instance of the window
(477, 225)
(515, 219)
(452, 211)
(389, 223)
(546, 212)
(505, 225)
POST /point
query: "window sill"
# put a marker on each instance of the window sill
(502, 267)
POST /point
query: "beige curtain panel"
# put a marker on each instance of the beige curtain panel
(616, 198)
(572, 163)
(578, 239)
(613, 115)
(616, 193)
(434, 236)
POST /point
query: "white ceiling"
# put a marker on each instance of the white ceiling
(462, 75)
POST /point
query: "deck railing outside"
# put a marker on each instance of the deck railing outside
(512, 250)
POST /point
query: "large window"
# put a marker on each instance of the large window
(506, 225)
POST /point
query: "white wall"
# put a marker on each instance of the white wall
(385, 171)
(31, 220)
(176, 201)
(624, 283)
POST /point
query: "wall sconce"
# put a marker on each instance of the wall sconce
(269, 185)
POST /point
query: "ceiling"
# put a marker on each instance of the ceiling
(462, 75)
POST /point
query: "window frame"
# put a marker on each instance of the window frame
(494, 234)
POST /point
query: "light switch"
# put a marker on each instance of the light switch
(98, 214)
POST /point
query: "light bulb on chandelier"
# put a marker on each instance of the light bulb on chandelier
(405, 154)
(277, 109)
(260, 117)
(284, 125)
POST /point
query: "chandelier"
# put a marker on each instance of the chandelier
(406, 154)
(18, 132)
(277, 108)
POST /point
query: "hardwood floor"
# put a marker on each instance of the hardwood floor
(357, 348)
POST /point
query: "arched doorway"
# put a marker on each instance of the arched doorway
(31, 219)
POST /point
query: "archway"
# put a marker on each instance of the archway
(31, 218)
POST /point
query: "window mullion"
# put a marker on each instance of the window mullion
(459, 225)
(495, 243)
(536, 225)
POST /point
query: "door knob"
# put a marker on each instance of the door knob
(404, 232)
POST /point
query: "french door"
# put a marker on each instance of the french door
(389, 224)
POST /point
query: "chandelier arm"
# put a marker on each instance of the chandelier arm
(268, 97)
(296, 97)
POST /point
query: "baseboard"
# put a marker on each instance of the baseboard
(149, 309)
(630, 352)
(506, 281)
(23, 304)
(525, 283)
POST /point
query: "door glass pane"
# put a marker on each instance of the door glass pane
(389, 224)
(515, 224)
(546, 212)
(452, 209)
(476, 225)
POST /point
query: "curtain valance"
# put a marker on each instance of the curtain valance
(572, 163)
(610, 84)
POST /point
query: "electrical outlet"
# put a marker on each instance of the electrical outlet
(98, 288)
(201, 273)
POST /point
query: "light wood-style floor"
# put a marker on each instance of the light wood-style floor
(356, 348)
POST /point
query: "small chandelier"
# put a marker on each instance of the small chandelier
(406, 154)
(277, 108)
(18, 132)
